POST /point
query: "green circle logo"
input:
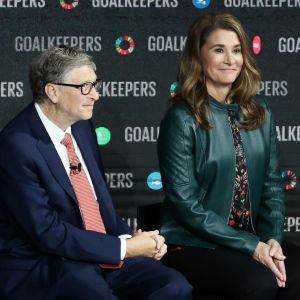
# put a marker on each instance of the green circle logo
(103, 135)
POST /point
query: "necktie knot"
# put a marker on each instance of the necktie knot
(67, 140)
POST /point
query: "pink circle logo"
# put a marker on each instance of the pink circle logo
(68, 6)
(256, 44)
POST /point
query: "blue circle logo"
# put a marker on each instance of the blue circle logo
(154, 181)
(201, 3)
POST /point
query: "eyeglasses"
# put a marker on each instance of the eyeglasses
(86, 87)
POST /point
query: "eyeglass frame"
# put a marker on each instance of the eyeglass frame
(98, 80)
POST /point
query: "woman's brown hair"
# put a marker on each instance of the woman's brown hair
(192, 79)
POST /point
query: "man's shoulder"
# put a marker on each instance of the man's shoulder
(17, 136)
(20, 121)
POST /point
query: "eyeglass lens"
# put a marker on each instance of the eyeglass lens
(87, 87)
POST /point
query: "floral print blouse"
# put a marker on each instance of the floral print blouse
(240, 209)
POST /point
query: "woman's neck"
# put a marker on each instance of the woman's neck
(220, 93)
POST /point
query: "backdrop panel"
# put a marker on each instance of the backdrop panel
(151, 34)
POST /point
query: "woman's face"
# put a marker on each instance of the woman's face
(222, 59)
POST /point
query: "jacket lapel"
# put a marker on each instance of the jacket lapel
(49, 152)
(56, 167)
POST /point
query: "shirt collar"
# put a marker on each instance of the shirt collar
(232, 106)
(56, 134)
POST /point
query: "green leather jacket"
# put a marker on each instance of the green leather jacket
(198, 172)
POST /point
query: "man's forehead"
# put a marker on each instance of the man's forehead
(81, 74)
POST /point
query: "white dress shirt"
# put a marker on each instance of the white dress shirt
(56, 135)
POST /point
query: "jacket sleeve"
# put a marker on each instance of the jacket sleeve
(185, 198)
(27, 204)
(270, 220)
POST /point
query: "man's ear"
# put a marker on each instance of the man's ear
(52, 92)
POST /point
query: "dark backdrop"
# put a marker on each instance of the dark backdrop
(137, 86)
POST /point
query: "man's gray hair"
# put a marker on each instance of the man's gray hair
(53, 65)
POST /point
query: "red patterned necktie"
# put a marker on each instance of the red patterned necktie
(85, 196)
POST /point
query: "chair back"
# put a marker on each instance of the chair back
(148, 216)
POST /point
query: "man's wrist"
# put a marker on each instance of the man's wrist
(123, 247)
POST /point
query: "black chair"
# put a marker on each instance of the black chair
(147, 220)
(148, 216)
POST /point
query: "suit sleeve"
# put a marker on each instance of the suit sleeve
(23, 194)
(184, 196)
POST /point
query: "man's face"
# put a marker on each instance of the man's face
(71, 105)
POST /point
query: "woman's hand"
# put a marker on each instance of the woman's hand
(278, 258)
(275, 262)
(276, 250)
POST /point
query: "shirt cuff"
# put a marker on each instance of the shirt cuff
(123, 239)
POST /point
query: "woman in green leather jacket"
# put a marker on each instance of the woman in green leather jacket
(223, 212)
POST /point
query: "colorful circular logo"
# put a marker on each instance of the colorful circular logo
(256, 44)
(201, 3)
(154, 181)
(173, 88)
(103, 135)
(126, 39)
(290, 179)
(68, 6)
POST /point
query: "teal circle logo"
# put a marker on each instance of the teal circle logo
(154, 181)
(173, 89)
(68, 6)
(103, 135)
(201, 3)
(120, 43)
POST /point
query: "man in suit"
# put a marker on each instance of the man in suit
(60, 237)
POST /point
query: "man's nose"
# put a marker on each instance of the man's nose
(94, 94)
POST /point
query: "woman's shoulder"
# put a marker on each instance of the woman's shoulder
(179, 112)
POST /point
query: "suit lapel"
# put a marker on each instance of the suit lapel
(49, 152)
(56, 167)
